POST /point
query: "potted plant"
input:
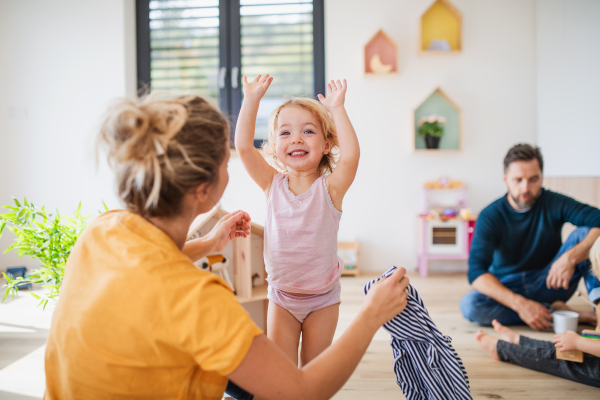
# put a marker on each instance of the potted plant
(432, 129)
(46, 237)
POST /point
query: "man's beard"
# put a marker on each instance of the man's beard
(523, 205)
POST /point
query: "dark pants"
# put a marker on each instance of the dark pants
(479, 308)
(540, 356)
(233, 390)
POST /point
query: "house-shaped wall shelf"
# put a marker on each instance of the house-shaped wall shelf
(248, 262)
(381, 55)
(438, 103)
(441, 29)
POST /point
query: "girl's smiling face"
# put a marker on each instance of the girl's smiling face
(300, 142)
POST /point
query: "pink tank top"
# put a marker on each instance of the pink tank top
(301, 238)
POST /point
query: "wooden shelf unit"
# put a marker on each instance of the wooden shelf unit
(247, 256)
(351, 246)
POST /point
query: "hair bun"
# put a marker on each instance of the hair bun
(160, 147)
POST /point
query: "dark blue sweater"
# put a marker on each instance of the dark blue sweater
(507, 241)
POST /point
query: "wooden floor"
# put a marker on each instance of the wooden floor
(374, 378)
(24, 327)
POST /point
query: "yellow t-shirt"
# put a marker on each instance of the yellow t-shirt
(137, 320)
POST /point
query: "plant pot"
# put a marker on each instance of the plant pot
(432, 142)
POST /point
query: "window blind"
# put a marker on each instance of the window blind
(277, 38)
(184, 46)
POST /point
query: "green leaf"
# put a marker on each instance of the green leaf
(105, 206)
(2, 227)
(35, 295)
(25, 201)
(17, 202)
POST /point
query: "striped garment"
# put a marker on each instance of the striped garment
(425, 363)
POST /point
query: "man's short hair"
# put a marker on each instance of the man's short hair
(523, 152)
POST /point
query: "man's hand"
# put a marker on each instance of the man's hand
(336, 95)
(567, 341)
(256, 89)
(534, 314)
(236, 224)
(561, 272)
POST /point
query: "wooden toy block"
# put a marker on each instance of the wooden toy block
(575, 355)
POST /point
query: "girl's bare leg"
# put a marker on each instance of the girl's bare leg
(318, 330)
(284, 329)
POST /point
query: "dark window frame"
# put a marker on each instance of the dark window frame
(230, 52)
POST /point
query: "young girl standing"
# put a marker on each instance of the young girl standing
(304, 207)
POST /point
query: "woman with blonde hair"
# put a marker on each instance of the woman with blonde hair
(137, 320)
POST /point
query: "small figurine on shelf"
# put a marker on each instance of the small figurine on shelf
(439, 45)
(378, 67)
(432, 129)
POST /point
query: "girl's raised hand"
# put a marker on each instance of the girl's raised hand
(256, 89)
(336, 95)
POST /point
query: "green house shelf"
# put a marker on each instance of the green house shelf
(438, 103)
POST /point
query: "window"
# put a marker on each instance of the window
(205, 47)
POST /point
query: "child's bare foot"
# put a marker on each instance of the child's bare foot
(586, 317)
(488, 343)
(507, 334)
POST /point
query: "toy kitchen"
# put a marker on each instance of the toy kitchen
(445, 227)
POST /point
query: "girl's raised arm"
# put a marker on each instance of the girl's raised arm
(260, 171)
(343, 175)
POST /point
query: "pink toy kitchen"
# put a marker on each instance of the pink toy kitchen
(445, 227)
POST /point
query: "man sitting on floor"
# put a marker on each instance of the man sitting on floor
(517, 264)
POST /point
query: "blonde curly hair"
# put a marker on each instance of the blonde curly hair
(162, 146)
(329, 160)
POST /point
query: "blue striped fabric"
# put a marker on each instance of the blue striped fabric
(425, 363)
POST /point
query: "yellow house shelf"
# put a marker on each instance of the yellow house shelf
(441, 29)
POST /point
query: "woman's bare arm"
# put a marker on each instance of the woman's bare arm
(232, 225)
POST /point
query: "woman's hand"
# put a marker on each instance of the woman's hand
(236, 224)
(567, 342)
(256, 89)
(387, 298)
(336, 95)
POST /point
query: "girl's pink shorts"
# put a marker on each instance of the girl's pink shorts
(300, 307)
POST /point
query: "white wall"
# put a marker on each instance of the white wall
(493, 81)
(568, 81)
(61, 62)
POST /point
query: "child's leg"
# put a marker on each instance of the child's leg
(317, 332)
(284, 329)
(541, 356)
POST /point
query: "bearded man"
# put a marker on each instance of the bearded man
(518, 267)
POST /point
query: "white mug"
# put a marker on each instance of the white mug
(565, 321)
